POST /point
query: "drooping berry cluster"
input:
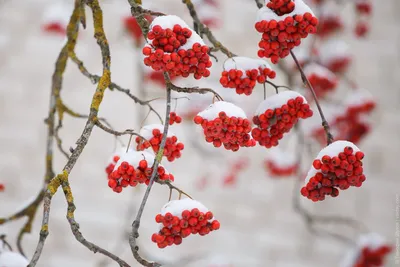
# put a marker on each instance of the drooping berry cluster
(364, 10)
(181, 218)
(281, 7)
(276, 115)
(153, 134)
(322, 79)
(176, 49)
(334, 54)
(234, 171)
(135, 168)
(174, 118)
(225, 124)
(281, 33)
(55, 27)
(338, 166)
(243, 73)
(329, 25)
(114, 159)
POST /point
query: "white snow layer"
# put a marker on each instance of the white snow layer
(147, 131)
(118, 153)
(333, 49)
(12, 259)
(231, 110)
(332, 150)
(277, 100)
(282, 159)
(319, 71)
(176, 207)
(58, 12)
(170, 21)
(358, 98)
(244, 64)
(134, 157)
(267, 14)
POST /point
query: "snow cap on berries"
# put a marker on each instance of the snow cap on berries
(280, 162)
(231, 110)
(12, 259)
(277, 101)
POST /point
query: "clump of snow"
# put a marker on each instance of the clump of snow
(176, 207)
(147, 131)
(358, 98)
(58, 12)
(170, 21)
(267, 14)
(134, 157)
(231, 110)
(118, 153)
(244, 64)
(277, 101)
(319, 70)
(281, 158)
(12, 259)
(370, 240)
(332, 50)
(332, 150)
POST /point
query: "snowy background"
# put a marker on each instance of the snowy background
(259, 227)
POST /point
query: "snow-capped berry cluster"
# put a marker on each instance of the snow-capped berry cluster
(56, 18)
(337, 166)
(371, 251)
(243, 73)
(114, 159)
(281, 164)
(276, 115)
(237, 167)
(174, 118)
(282, 31)
(181, 218)
(175, 48)
(364, 10)
(330, 20)
(225, 124)
(334, 54)
(135, 168)
(153, 135)
(322, 79)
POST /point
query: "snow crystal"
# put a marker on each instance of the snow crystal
(175, 207)
(358, 98)
(281, 158)
(170, 21)
(134, 157)
(231, 110)
(267, 14)
(277, 100)
(147, 130)
(244, 64)
(332, 50)
(319, 70)
(332, 150)
(12, 259)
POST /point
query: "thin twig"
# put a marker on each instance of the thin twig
(195, 90)
(259, 4)
(325, 124)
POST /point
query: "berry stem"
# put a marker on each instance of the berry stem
(265, 91)
(325, 123)
(129, 143)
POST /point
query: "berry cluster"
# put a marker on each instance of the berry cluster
(176, 50)
(153, 134)
(180, 222)
(225, 124)
(281, 7)
(111, 165)
(363, 7)
(55, 28)
(276, 115)
(337, 166)
(322, 79)
(174, 118)
(243, 73)
(275, 170)
(335, 55)
(281, 33)
(134, 168)
(234, 171)
(328, 25)
(373, 257)
(2, 187)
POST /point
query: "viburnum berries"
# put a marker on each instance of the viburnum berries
(173, 47)
(370, 251)
(322, 79)
(174, 118)
(225, 124)
(181, 218)
(114, 159)
(283, 23)
(133, 168)
(243, 73)
(337, 166)
(153, 134)
(276, 115)
(281, 164)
